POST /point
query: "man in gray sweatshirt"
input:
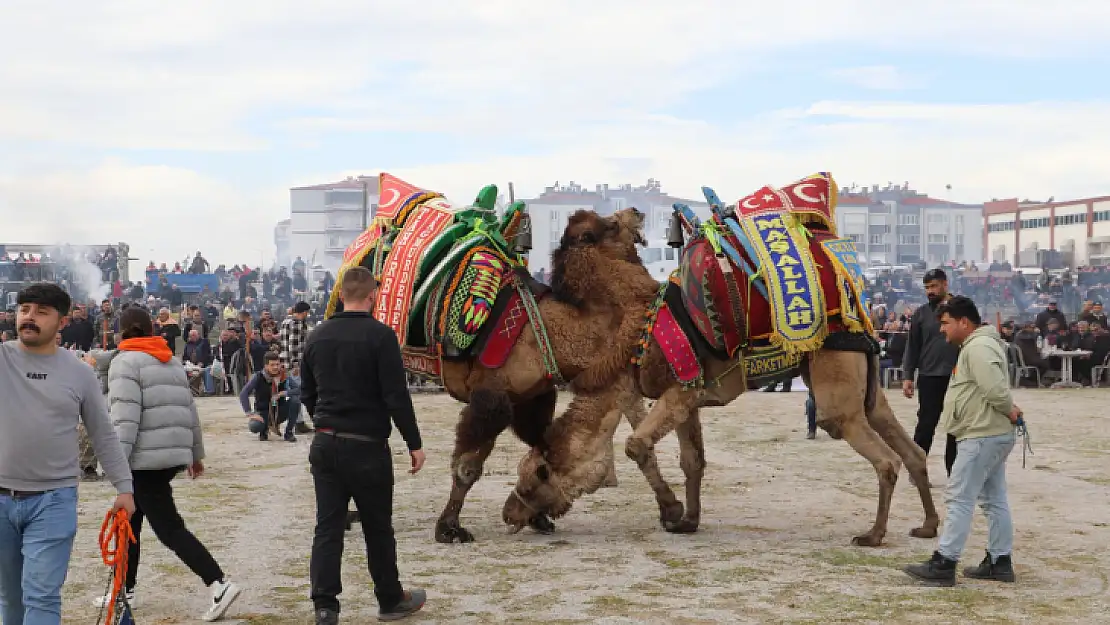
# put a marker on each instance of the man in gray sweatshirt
(44, 389)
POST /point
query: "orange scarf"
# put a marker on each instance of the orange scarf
(154, 345)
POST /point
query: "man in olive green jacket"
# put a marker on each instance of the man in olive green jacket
(980, 413)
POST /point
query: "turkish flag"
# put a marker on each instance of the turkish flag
(392, 193)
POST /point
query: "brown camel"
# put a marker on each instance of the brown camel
(843, 375)
(582, 319)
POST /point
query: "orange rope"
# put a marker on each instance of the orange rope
(115, 536)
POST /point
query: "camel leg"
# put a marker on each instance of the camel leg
(632, 407)
(531, 418)
(692, 460)
(839, 386)
(670, 409)
(480, 423)
(883, 421)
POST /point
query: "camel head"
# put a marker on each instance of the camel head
(616, 236)
(538, 489)
(574, 458)
(588, 240)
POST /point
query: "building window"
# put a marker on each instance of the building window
(1067, 220)
(1040, 222)
(938, 238)
(619, 203)
(668, 253)
(346, 198)
(907, 220)
(876, 239)
(938, 218)
(909, 239)
(959, 224)
(959, 240)
(856, 238)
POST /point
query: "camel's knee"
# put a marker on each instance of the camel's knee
(637, 449)
(888, 469)
(468, 469)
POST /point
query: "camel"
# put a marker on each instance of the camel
(577, 318)
(842, 373)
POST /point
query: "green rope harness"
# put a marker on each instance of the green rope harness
(547, 352)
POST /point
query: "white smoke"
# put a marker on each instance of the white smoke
(87, 277)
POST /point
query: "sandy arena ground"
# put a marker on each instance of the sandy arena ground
(779, 513)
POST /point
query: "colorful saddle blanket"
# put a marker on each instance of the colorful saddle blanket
(440, 268)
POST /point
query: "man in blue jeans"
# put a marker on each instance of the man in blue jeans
(811, 416)
(980, 413)
(45, 389)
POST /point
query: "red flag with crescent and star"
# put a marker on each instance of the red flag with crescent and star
(814, 197)
(392, 192)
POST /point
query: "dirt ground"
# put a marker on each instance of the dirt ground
(773, 548)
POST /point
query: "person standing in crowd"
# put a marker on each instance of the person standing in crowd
(352, 382)
(979, 411)
(931, 358)
(159, 429)
(46, 390)
(106, 327)
(79, 332)
(294, 331)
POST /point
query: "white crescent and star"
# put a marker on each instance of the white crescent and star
(799, 192)
(747, 203)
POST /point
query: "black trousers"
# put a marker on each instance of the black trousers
(154, 502)
(342, 470)
(930, 397)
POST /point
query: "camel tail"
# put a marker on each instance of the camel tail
(872, 384)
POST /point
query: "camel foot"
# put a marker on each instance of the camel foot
(671, 514)
(542, 524)
(868, 540)
(924, 532)
(685, 525)
(448, 532)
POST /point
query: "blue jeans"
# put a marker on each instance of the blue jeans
(293, 407)
(209, 381)
(979, 473)
(36, 540)
(811, 413)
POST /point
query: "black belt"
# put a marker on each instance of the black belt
(20, 494)
(348, 435)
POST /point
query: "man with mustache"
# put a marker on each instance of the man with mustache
(932, 358)
(45, 388)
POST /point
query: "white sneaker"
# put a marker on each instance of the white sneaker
(102, 602)
(223, 595)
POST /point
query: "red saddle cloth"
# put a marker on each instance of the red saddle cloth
(705, 295)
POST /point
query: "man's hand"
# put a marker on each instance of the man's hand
(1015, 414)
(907, 388)
(417, 460)
(126, 502)
(196, 469)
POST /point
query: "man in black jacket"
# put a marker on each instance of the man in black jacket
(352, 382)
(932, 358)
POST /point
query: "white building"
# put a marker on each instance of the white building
(324, 219)
(551, 211)
(1017, 231)
(895, 225)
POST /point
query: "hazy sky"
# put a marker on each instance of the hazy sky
(180, 126)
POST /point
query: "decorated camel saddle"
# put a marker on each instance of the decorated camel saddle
(448, 276)
(766, 280)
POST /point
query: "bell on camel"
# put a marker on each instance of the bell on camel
(674, 232)
(522, 243)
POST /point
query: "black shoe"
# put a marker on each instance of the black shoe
(289, 438)
(811, 434)
(325, 616)
(938, 571)
(1001, 570)
(264, 436)
(413, 601)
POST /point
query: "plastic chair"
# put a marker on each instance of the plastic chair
(1098, 371)
(1020, 368)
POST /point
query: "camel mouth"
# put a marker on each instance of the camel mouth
(514, 528)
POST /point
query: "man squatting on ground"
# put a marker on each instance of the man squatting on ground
(980, 413)
(352, 383)
(932, 358)
(45, 389)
